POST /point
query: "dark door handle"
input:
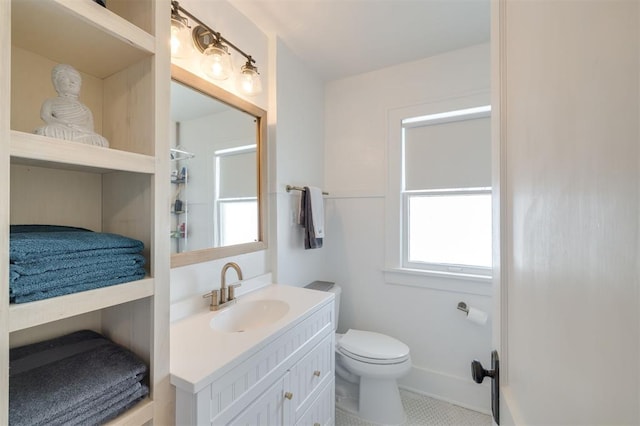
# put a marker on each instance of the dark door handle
(478, 372)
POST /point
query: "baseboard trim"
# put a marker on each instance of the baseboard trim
(445, 387)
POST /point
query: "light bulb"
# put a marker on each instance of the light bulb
(179, 38)
(249, 82)
(216, 62)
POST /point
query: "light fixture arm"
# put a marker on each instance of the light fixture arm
(217, 35)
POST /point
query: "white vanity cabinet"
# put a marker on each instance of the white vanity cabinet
(303, 396)
(286, 378)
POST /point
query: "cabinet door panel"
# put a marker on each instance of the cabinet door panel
(271, 408)
(321, 412)
(312, 371)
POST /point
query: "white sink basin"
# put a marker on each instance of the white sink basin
(245, 316)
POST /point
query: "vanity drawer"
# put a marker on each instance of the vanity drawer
(322, 409)
(310, 373)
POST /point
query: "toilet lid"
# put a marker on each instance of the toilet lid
(373, 345)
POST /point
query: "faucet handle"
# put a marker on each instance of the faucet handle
(214, 298)
(232, 290)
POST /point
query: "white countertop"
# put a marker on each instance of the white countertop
(200, 354)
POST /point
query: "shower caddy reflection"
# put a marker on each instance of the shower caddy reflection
(179, 209)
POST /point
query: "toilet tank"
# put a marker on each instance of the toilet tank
(334, 288)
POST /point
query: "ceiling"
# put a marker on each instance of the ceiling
(339, 38)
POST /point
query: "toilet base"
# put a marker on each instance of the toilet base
(377, 402)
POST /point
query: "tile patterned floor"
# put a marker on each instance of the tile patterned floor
(425, 411)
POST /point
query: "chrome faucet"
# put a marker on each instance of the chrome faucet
(226, 295)
(223, 284)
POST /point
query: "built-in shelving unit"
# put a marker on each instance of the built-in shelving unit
(123, 57)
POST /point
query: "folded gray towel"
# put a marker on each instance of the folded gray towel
(112, 409)
(103, 409)
(54, 378)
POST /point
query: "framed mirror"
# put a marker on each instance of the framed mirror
(218, 172)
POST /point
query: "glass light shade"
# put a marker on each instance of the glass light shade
(180, 39)
(216, 62)
(249, 81)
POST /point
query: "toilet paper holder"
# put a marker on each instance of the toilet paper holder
(463, 307)
(474, 315)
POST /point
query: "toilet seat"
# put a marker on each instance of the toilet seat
(372, 348)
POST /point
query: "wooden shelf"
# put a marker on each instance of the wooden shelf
(30, 149)
(25, 315)
(140, 414)
(79, 32)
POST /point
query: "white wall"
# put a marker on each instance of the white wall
(442, 342)
(188, 283)
(298, 136)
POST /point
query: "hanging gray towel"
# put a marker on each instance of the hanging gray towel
(311, 239)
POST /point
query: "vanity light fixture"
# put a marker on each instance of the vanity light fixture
(216, 58)
(179, 33)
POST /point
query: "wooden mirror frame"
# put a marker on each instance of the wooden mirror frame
(207, 88)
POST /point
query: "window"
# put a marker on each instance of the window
(236, 200)
(234, 217)
(446, 193)
(449, 228)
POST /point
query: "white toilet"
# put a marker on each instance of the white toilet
(367, 367)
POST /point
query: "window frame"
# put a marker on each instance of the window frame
(394, 272)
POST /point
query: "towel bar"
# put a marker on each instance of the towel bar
(297, 188)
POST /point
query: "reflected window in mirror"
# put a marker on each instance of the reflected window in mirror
(218, 172)
(236, 196)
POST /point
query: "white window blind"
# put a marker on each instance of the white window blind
(453, 154)
(237, 176)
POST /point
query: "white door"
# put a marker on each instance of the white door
(566, 91)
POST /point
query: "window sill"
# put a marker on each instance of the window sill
(437, 280)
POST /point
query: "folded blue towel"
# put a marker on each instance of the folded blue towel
(124, 266)
(51, 260)
(38, 267)
(15, 229)
(35, 283)
(29, 246)
(50, 380)
(61, 291)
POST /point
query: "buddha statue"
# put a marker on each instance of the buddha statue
(65, 116)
